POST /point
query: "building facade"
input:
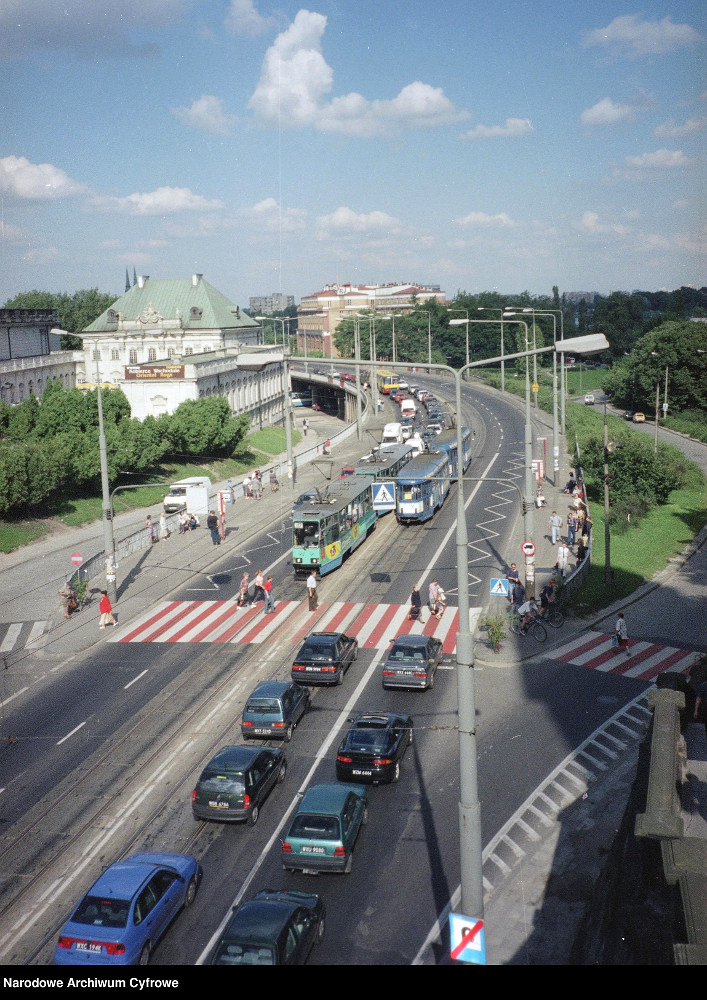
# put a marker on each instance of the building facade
(266, 305)
(30, 354)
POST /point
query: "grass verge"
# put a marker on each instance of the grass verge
(13, 534)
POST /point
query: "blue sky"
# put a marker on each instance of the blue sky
(474, 145)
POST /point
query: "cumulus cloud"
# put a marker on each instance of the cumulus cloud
(36, 181)
(590, 224)
(88, 28)
(512, 127)
(163, 201)
(631, 36)
(607, 112)
(345, 219)
(243, 19)
(482, 219)
(267, 214)
(208, 114)
(295, 79)
(671, 129)
(660, 159)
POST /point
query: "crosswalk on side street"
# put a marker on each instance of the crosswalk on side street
(20, 635)
(594, 651)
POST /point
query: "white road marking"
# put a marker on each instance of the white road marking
(65, 738)
(11, 636)
(37, 630)
(130, 683)
(6, 701)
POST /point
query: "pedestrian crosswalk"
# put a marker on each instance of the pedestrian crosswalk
(222, 621)
(19, 635)
(648, 659)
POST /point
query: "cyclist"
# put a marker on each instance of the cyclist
(527, 612)
(547, 597)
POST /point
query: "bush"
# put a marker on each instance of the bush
(628, 513)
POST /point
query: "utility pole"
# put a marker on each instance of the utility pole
(657, 412)
(608, 574)
(357, 348)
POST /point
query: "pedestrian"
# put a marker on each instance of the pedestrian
(432, 592)
(105, 610)
(256, 485)
(513, 578)
(415, 613)
(269, 600)
(540, 498)
(274, 483)
(621, 633)
(581, 553)
(305, 427)
(246, 487)
(563, 555)
(440, 603)
(68, 600)
(150, 529)
(571, 528)
(547, 596)
(555, 525)
(243, 596)
(587, 525)
(312, 591)
(326, 450)
(518, 597)
(193, 522)
(258, 589)
(183, 523)
(164, 533)
(212, 525)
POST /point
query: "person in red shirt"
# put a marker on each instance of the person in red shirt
(106, 611)
(269, 600)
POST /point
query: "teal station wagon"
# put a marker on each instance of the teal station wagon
(323, 832)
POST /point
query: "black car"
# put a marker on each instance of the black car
(273, 928)
(273, 710)
(324, 658)
(412, 662)
(628, 415)
(302, 499)
(235, 783)
(373, 747)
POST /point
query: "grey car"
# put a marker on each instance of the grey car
(412, 662)
(273, 710)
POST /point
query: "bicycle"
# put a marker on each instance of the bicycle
(554, 618)
(535, 627)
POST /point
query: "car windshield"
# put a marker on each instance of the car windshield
(310, 651)
(215, 781)
(404, 654)
(315, 827)
(306, 534)
(102, 912)
(230, 953)
(367, 740)
(263, 706)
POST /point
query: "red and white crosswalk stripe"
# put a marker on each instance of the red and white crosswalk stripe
(595, 651)
(223, 621)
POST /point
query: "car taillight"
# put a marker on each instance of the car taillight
(113, 948)
(278, 725)
(380, 761)
(286, 848)
(66, 942)
(295, 667)
(389, 673)
(344, 760)
(247, 723)
(340, 852)
(419, 675)
(328, 670)
(193, 795)
(246, 801)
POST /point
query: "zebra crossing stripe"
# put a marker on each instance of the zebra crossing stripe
(11, 636)
(646, 661)
(21, 635)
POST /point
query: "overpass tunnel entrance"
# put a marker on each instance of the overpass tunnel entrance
(331, 398)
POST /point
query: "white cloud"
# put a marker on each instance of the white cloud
(590, 224)
(295, 79)
(512, 127)
(482, 219)
(671, 130)
(208, 114)
(243, 19)
(85, 27)
(631, 36)
(41, 255)
(660, 159)
(607, 112)
(267, 214)
(345, 219)
(36, 181)
(681, 203)
(163, 201)
(134, 257)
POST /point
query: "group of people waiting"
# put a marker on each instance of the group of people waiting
(253, 485)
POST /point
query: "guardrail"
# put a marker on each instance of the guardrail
(572, 583)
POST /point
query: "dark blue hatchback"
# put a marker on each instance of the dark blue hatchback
(273, 710)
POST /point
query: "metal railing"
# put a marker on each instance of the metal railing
(572, 583)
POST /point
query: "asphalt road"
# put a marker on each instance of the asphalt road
(406, 864)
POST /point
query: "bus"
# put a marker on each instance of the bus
(301, 398)
(326, 529)
(387, 381)
(384, 467)
(422, 487)
(447, 442)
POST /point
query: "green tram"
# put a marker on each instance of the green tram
(325, 530)
(384, 466)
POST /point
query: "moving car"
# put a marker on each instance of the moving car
(412, 662)
(273, 928)
(302, 499)
(589, 399)
(373, 747)
(347, 470)
(235, 783)
(324, 658)
(273, 710)
(639, 418)
(628, 415)
(125, 912)
(323, 833)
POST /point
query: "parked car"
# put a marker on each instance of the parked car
(273, 710)
(374, 747)
(323, 832)
(324, 658)
(589, 399)
(639, 418)
(236, 782)
(127, 909)
(276, 927)
(412, 662)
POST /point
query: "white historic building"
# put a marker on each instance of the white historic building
(30, 354)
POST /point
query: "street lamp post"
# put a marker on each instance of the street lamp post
(555, 429)
(357, 350)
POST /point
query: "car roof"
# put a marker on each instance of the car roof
(411, 640)
(123, 879)
(375, 720)
(259, 921)
(234, 758)
(324, 636)
(269, 689)
(326, 799)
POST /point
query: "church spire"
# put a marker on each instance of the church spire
(127, 280)
(134, 276)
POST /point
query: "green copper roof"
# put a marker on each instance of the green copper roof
(172, 297)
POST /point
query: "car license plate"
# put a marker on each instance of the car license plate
(88, 946)
(218, 805)
(308, 669)
(405, 673)
(365, 774)
(311, 850)
(261, 731)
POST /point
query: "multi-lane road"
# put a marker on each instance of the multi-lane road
(111, 749)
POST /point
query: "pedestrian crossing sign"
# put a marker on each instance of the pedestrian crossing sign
(499, 588)
(467, 939)
(383, 496)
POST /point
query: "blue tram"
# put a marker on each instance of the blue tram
(447, 442)
(422, 487)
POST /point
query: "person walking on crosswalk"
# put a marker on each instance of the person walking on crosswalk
(105, 610)
(269, 600)
(622, 634)
(312, 591)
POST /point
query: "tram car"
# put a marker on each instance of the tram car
(422, 487)
(328, 527)
(447, 442)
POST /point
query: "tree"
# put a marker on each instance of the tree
(620, 318)
(206, 427)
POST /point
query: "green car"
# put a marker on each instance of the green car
(323, 832)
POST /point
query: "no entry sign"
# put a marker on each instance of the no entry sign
(76, 558)
(528, 548)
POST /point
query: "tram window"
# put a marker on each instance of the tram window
(332, 529)
(306, 535)
(412, 493)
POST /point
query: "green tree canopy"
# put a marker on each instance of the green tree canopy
(206, 427)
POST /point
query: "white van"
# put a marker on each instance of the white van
(190, 494)
(417, 445)
(408, 408)
(392, 437)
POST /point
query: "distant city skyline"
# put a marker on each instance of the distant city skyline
(282, 148)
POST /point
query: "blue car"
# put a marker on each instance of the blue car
(125, 912)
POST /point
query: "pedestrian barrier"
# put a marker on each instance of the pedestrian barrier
(572, 583)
